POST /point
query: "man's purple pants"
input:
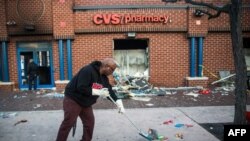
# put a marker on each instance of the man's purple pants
(71, 111)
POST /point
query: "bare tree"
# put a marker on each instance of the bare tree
(234, 9)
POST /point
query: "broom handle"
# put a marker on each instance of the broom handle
(125, 114)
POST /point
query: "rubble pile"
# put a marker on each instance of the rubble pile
(128, 86)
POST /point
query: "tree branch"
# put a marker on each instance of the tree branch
(224, 8)
(210, 16)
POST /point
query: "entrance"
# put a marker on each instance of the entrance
(132, 56)
(41, 53)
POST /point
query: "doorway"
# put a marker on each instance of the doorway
(132, 56)
(41, 53)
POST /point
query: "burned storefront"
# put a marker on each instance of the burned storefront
(168, 45)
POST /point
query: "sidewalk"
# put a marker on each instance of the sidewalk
(111, 126)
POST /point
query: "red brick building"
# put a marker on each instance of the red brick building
(64, 35)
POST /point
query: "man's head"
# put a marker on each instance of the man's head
(108, 66)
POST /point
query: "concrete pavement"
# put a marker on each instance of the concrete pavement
(111, 126)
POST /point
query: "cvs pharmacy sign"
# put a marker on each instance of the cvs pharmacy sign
(116, 19)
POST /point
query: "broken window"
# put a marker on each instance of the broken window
(132, 56)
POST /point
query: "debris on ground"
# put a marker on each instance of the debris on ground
(179, 125)
(189, 125)
(138, 86)
(192, 94)
(179, 135)
(150, 104)
(204, 91)
(8, 115)
(53, 95)
(128, 86)
(168, 122)
(37, 106)
(141, 98)
(21, 121)
(154, 136)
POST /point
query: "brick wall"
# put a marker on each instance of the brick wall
(140, 2)
(197, 26)
(63, 27)
(168, 49)
(56, 60)
(7, 86)
(3, 29)
(245, 18)
(84, 20)
(117, 2)
(194, 83)
(13, 70)
(168, 54)
(89, 47)
(60, 85)
(26, 12)
(217, 54)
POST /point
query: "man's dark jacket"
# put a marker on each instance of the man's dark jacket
(80, 87)
(32, 69)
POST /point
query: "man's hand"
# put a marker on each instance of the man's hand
(101, 92)
(120, 106)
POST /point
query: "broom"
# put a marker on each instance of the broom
(143, 134)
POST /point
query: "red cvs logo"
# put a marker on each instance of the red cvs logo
(106, 19)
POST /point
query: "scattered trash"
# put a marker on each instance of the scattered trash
(229, 89)
(224, 93)
(8, 115)
(138, 85)
(194, 99)
(189, 125)
(150, 104)
(179, 125)
(205, 91)
(168, 92)
(154, 136)
(168, 122)
(37, 106)
(162, 138)
(141, 98)
(224, 90)
(57, 95)
(192, 94)
(223, 79)
(179, 135)
(54, 95)
(184, 88)
(21, 121)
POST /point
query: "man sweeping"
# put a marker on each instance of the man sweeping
(82, 92)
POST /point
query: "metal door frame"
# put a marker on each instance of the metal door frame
(40, 47)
